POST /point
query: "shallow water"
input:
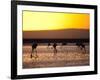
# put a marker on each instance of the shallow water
(66, 56)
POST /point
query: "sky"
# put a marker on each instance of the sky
(37, 21)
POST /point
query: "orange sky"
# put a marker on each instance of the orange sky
(35, 21)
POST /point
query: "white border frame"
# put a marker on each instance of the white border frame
(21, 71)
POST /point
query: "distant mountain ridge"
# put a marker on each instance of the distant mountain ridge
(59, 29)
(57, 34)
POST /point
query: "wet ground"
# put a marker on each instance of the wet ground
(66, 56)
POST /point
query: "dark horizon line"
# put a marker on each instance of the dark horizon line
(54, 40)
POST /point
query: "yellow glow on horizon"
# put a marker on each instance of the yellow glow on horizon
(34, 21)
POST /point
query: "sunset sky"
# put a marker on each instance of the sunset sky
(37, 21)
